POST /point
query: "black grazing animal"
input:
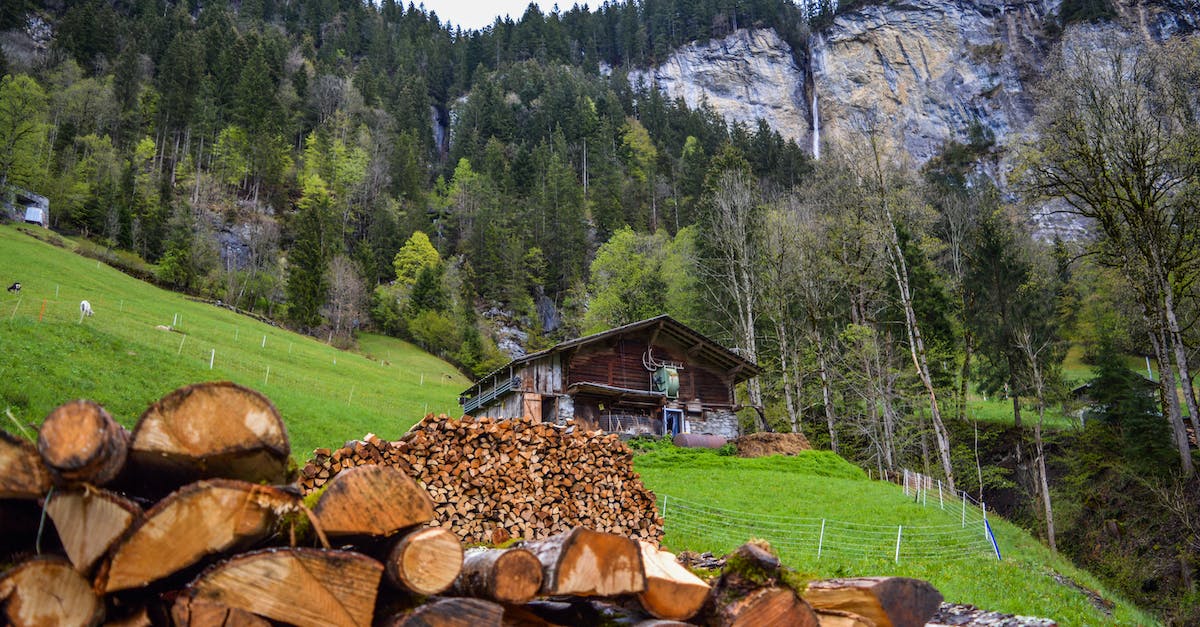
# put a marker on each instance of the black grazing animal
(14, 288)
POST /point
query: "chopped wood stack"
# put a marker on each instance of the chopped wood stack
(221, 546)
(491, 480)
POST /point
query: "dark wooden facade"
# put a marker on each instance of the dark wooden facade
(605, 381)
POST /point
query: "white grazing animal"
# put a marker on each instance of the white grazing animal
(85, 308)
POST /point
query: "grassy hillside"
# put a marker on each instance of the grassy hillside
(119, 358)
(784, 500)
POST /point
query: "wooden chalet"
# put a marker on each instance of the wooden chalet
(652, 377)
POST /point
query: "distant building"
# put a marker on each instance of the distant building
(652, 377)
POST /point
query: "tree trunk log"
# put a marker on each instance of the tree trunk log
(451, 612)
(776, 606)
(198, 520)
(22, 475)
(189, 612)
(81, 443)
(372, 500)
(886, 601)
(47, 592)
(425, 561)
(838, 618)
(210, 430)
(511, 576)
(89, 522)
(583, 562)
(672, 591)
(297, 586)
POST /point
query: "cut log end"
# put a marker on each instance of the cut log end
(372, 500)
(583, 562)
(508, 576)
(451, 612)
(22, 475)
(81, 443)
(89, 522)
(672, 591)
(425, 561)
(769, 606)
(47, 592)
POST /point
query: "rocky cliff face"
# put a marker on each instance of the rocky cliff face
(930, 71)
(750, 74)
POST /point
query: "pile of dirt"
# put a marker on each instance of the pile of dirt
(763, 444)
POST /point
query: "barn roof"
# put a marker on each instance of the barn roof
(700, 344)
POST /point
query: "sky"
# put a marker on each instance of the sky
(475, 14)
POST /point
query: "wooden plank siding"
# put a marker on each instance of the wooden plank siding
(620, 364)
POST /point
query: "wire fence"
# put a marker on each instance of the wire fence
(965, 535)
(245, 351)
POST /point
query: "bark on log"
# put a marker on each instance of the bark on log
(672, 591)
(838, 618)
(22, 475)
(89, 521)
(47, 592)
(451, 612)
(425, 561)
(886, 601)
(583, 562)
(201, 519)
(776, 606)
(372, 500)
(210, 430)
(81, 443)
(297, 586)
(189, 612)
(509, 576)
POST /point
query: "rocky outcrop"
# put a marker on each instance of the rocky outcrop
(926, 71)
(748, 75)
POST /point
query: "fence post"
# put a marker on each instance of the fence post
(941, 502)
(665, 497)
(821, 541)
(983, 505)
(268, 376)
(905, 482)
(211, 358)
(899, 532)
(924, 494)
(964, 509)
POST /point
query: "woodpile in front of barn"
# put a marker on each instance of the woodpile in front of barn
(195, 518)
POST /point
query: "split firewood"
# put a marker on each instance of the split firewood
(210, 430)
(81, 443)
(131, 617)
(777, 606)
(296, 586)
(451, 612)
(189, 612)
(372, 500)
(425, 561)
(672, 591)
(22, 475)
(200, 519)
(886, 601)
(838, 618)
(89, 521)
(47, 592)
(509, 576)
(583, 562)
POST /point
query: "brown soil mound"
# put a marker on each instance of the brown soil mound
(763, 444)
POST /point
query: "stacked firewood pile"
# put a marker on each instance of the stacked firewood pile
(190, 520)
(491, 480)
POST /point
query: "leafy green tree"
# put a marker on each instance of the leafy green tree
(22, 129)
(416, 254)
(626, 281)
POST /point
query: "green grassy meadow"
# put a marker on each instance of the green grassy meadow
(816, 485)
(120, 359)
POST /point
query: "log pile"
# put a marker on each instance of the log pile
(202, 533)
(491, 480)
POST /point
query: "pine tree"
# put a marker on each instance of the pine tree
(316, 233)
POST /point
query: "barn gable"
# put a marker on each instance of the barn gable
(651, 377)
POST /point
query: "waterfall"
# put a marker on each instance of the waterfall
(816, 119)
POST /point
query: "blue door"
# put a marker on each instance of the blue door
(672, 421)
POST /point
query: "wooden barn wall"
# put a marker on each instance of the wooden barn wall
(620, 364)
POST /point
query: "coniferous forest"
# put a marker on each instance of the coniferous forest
(341, 165)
